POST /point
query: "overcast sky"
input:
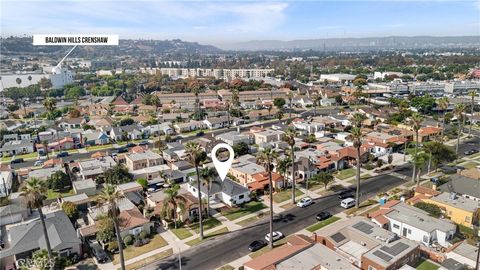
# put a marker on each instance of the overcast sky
(220, 22)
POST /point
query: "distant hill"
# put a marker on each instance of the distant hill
(23, 45)
(393, 42)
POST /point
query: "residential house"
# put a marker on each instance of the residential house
(66, 143)
(12, 148)
(188, 126)
(96, 109)
(14, 212)
(268, 136)
(87, 186)
(92, 168)
(459, 209)
(415, 224)
(130, 132)
(137, 161)
(233, 137)
(427, 134)
(228, 191)
(217, 122)
(463, 186)
(159, 129)
(45, 173)
(156, 201)
(300, 252)
(260, 182)
(71, 123)
(26, 237)
(465, 254)
(91, 137)
(243, 171)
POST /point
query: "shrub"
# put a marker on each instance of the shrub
(112, 246)
(138, 243)
(432, 209)
(143, 235)
(128, 240)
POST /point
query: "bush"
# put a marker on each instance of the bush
(432, 209)
(138, 243)
(112, 246)
(128, 240)
(142, 235)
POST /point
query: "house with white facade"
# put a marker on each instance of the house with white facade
(228, 191)
(233, 137)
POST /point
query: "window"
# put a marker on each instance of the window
(409, 231)
(468, 219)
(425, 238)
(371, 268)
(241, 196)
(396, 226)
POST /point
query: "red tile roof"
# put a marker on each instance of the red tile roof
(119, 101)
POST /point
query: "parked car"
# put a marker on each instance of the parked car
(17, 160)
(276, 236)
(98, 252)
(38, 163)
(122, 150)
(323, 215)
(143, 143)
(130, 144)
(256, 245)
(470, 152)
(347, 203)
(345, 194)
(304, 202)
(200, 134)
(62, 154)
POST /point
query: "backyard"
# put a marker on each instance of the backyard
(427, 265)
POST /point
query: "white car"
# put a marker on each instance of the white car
(38, 163)
(304, 202)
(276, 236)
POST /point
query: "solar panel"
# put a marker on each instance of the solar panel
(395, 249)
(363, 227)
(382, 255)
(338, 237)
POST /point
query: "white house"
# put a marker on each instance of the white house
(228, 191)
(417, 225)
(17, 148)
(233, 137)
(217, 122)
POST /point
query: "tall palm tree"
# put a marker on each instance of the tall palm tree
(357, 136)
(357, 119)
(50, 104)
(209, 175)
(235, 98)
(194, 152)
(290, 99)
(266, 158)
(282, 168)
(415, 122)
(459, 113)
(172, 203)
(419, 162)
(34, 192)
(289, 138)
(316, 102)
(109, 197)
(472, 94)
(443, 105)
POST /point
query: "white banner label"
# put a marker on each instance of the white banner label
(89, 40)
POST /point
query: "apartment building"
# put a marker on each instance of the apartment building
(206, 72)
(137, 161)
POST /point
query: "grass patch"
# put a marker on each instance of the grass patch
(362, 205)
(98, 147)
(181, 233)
(131, 252)
(284, 195)
(51, 194)
(197, 241)
(426, 265)
(226, 267)
(344, 174)
(249, 220)
(339, 141)
(148, 260)
(72, 151)
(207, 224)
(28, 156)
(263, 250)
(246, 209)
(364, 176)
(322, 224)
(469, 165)
(475, 156)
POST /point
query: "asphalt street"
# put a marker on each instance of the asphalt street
(225, 248)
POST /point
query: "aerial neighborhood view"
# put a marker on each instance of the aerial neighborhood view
(250, 135)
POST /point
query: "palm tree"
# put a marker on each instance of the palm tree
(194, 152)
(290, 99)
(282, 168)
(419, 162)
(34, 192)
(356, 136)
(289, 138)
(50, 104)
(45, 147)
(415, 122)
(358, 119)
(172, 203)
(459, 111)
(109, 197)
(160, 145)
(316, 101)
(266, 158)
(195, 87)
(443, 105)
(18, 81)
(209, 175)
(472, 94)
(235, 98)
(429, 149)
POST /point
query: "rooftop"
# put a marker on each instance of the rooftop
(388, 254)
(459, 202)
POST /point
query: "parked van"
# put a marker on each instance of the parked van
(347, 203)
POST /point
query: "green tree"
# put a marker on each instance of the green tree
(459, 114)
(142, 182)
(109, 197)
(173, 204)
(279, 103)
(289, 138)
(34, 192)
(415, 122)
(126, 122)
(430, 208)
(443, 103)
(117, 175)
(472, 94)
(70, 209)
(194, 153)
(325, 178)
(50, 104)
(282, 168)
(241, 148)
(59, 180)
(266, 158)
(105, 229)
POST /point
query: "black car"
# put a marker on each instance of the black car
(470, 152)
(122, 150)
(131, 144)
(200, 134)
(143, 143)
(62, 154)
(256, 245)
(323, 215)
(18, 160)
(98, 252)
(345, 194)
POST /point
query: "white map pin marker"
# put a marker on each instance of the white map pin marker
(222, 167)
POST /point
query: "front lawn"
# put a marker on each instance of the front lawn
(344, 174)
(362, 178)
(265, 249)
(469, 165)
(148, 260)
(249, 220)
(323, 223)
(207, 224)
(131, 252)
(33, 155)
(98, 147)
(197, 241)
(247, 208)
(181, 233)
(284, 195)
(426, 265)
(51, 194)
